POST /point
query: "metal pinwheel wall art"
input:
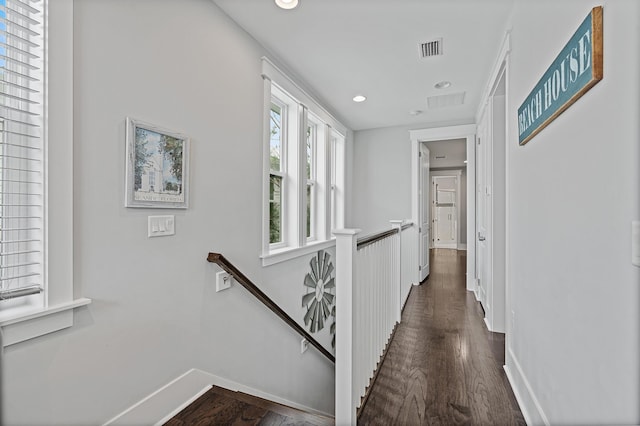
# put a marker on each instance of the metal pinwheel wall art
(319, 298)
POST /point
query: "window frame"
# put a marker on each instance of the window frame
(57, 310)
(311, 180)
(282, 173)
(308, 112)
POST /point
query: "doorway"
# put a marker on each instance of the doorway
(491, 179)
(445, 211)
(422, 138)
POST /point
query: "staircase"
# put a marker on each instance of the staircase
(219, 406)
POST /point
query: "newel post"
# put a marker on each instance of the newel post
(397, 260)
(346, 398)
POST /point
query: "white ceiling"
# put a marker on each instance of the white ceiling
(341, 48)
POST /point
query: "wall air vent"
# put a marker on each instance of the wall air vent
(441, 157)
(431, 48)
(444, 101)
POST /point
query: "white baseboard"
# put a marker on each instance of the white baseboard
(170, 399)
(486, 323)
(529, 404)
(462, 247)
(445, 246)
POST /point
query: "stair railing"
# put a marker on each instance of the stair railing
(368, 307)
(245, 282)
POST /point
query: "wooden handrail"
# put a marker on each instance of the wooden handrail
(368, 240)
(406, 226)
(245, 282)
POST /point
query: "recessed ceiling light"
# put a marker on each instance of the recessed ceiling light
(287, 4)
(465, 161)
(359, 98)
(442, 85)
(415, 112)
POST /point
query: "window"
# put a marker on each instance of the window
(310, 174)
(298, 212)
(21, 154)
(276, 174)
(36, 249)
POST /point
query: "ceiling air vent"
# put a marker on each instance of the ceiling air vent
(444, 101)
(431, 48)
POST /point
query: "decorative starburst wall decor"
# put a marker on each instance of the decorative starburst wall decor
(319, 298)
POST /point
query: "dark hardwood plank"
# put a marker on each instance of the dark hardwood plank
(443, 367)
(220, 406)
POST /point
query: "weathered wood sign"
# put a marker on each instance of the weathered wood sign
(575, 70)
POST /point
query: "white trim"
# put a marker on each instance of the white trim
(501, 70)
(266, 166)
(46, 311)
(184, 405)
(56, 313)
(467, 131)
(164, 403)
(453, 246)
(288, 253)
(462, 247)
(471, 214)
(41, 322)
(505, 49)
(527, 400)
(301, 109)
(275, 74)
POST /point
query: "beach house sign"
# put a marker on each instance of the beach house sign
(575, 70)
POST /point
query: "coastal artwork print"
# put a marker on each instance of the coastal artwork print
(157, 167)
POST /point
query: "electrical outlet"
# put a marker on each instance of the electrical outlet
(304, 345)
(223, 281)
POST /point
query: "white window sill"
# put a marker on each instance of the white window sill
(288, 253)
(39, 322)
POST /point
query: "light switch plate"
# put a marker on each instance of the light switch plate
(635, 243)
(161, 226)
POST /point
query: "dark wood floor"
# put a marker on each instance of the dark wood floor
(223, 407)
(443, 366)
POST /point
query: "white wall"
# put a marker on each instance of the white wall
(573, 192)
(155, 314)
(381, 178)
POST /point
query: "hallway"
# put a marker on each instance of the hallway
(443, 366)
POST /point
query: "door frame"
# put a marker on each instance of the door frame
(424, 214)
(500, 71)
(467, 132)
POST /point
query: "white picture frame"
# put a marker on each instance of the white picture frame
(157, 167)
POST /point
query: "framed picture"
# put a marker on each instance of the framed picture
(157, 169)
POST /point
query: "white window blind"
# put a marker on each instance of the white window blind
(21, 148)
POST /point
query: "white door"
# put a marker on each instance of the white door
(482, 257)
(445, 227)
(444, 233)
(424, 210)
